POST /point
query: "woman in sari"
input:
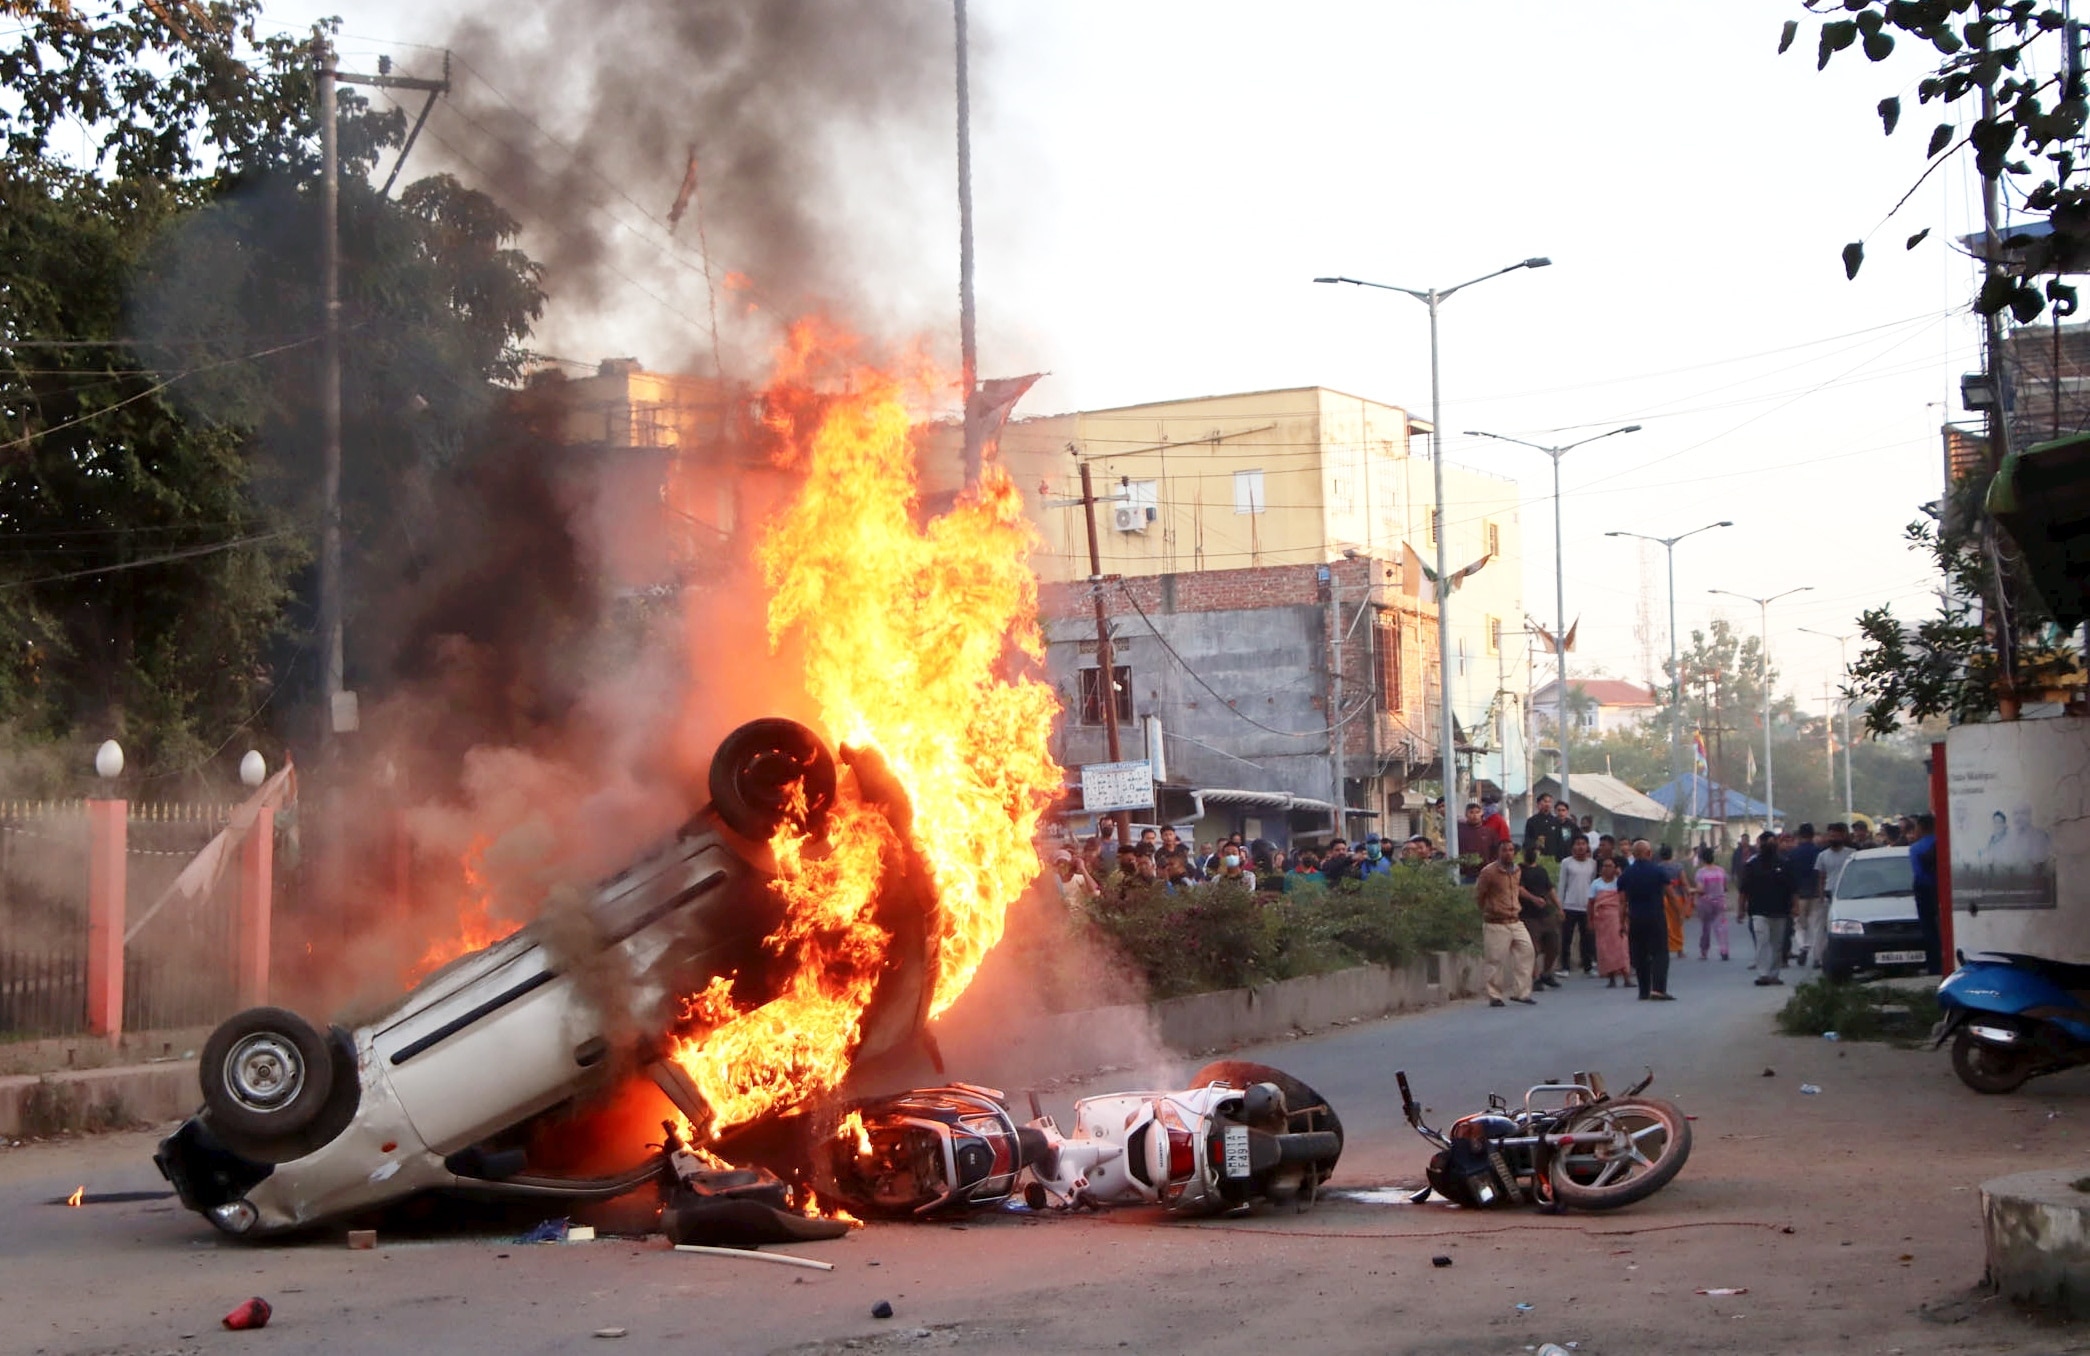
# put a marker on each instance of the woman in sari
(1607, 923)
(1678, 899)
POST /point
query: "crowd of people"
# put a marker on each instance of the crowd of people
(1624, 910)
(1099, 870)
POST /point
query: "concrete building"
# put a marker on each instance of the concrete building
(1289, 480)
(1613, 705)
(1226, 680)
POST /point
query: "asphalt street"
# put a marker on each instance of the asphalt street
(1848, 1217)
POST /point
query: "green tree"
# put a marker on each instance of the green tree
(158, 422)
(2004, 86)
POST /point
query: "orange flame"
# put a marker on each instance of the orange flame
(476, 925)
(852, 1127)
(79, 1195)
(912, 637)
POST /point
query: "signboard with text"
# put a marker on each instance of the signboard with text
(1117, 786)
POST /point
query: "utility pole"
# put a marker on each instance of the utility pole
(1828, 734)
(1763, 668)
(336, 716)
(968, 343)
(2005, 627)
(331, 719)
(1106, 661)
(1850, 801)
(1338, 812)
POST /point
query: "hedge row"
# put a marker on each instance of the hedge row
(1222, 936)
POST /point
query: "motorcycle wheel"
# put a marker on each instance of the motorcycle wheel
(1599, 1177)
(1239, 1073)
(1987, 1069)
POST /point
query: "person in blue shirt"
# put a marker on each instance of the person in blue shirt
(1800, 860)
(1645, 886)
(1923, 872)
(1373, 862)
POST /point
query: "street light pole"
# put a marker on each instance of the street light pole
(1676, 673)
(1560, 711)
(1448, 755)
(1850, 802)
(1763, 672)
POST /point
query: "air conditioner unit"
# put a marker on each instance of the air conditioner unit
(1129, 518)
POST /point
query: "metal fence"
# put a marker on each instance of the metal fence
(179, 968)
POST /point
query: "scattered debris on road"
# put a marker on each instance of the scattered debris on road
(750, 1255)
(362, 1239)
(1726, 1290)
(882, 1309)
(253, 1313)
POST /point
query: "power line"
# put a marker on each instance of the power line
(188, 554)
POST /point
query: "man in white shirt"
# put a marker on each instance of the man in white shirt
(1828, 869)
(1578, 870)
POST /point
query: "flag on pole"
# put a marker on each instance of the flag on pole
(1752, 765)
(1698, 759)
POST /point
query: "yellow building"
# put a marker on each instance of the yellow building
(1286, 477)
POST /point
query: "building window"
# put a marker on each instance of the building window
(1494, 539)
(1433, 527)
(1248, 492)
(1390, 697)
(1092, 695)
(1494, 625)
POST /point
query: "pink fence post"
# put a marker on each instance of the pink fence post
(257, 866)
(107, 830)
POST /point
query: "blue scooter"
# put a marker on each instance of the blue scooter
(2012, 1017)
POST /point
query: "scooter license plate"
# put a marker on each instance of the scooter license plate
(1898, 958)
(1237, 1151)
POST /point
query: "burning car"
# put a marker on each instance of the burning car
(299, 1126)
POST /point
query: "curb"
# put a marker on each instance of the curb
(41, 1105)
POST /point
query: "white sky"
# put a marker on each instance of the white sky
(1157, 184)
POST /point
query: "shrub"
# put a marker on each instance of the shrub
(1220, 936)
(1858, 1012)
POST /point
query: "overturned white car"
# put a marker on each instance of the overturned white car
(300, 1126)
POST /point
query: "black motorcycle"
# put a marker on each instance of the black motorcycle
(1572, 1144)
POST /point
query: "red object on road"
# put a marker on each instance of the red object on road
(253, 1313)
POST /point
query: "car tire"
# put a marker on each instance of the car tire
(754, 769)
(266, 1075)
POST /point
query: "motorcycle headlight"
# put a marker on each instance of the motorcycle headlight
(234, 1217)
(1999, 1035)
(1846, 927)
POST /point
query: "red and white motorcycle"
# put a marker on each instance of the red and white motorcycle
(1243, 1134)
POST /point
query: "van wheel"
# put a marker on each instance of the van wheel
(266, 1074)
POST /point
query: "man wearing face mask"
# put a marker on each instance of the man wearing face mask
(1233, 867)
(1374, 861)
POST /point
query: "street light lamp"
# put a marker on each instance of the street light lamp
(1763, 676)
(1843, 648)
(1430, 297)
(1560, 710)
(1676, 673)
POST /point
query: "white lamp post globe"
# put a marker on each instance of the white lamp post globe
(108, 759)
(253, 768)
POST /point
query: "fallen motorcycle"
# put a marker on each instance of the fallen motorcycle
(1243, 1134)
(1572, 1144)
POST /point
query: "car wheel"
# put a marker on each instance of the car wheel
(758, 768)
(266, 1074)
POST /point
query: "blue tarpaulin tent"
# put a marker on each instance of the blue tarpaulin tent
(1703, 800)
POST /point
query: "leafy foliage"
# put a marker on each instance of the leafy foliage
(1221, 936)
(1948, 664)
(158, 421)
(1987, 48)
(1858, 1012)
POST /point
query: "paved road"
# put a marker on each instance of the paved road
(1874, 1178)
